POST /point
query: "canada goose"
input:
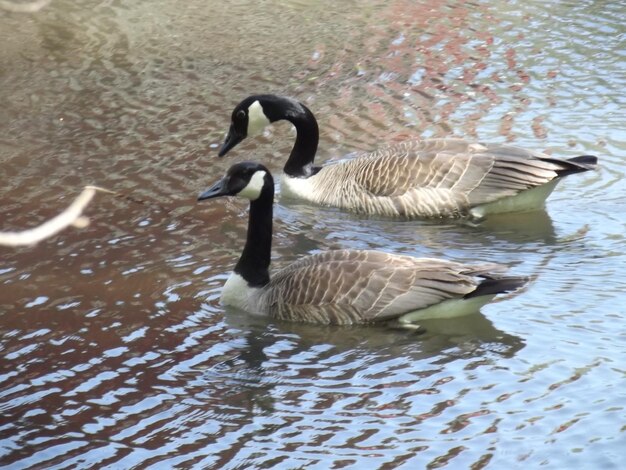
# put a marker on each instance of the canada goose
(345, 287)
(413, 179)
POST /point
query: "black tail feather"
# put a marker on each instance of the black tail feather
(575, 164)
(587, 160)
(491, 286)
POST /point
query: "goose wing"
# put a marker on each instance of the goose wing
(347, 287)
(515, 169)
(433, 163)
(475, 172)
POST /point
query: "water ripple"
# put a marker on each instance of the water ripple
(115, 350)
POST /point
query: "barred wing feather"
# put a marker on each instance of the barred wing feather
(345, 287)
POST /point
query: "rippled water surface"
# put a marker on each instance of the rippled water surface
(114, 349)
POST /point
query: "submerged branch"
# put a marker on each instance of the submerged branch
(70, 216)
(28, 7)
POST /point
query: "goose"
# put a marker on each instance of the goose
(428, 178)
(345, 287)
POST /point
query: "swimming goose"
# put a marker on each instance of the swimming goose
(344, 287)
(413, 179)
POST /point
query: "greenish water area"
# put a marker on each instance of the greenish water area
(114, 349)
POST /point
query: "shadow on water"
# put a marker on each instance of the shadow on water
(434, 338)
(309, 347)
(332, 228)
(520, 228)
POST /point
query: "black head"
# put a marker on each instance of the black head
(254, 113)
(246, 179)
(248, 118)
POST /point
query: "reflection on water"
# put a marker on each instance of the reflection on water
(115, 352)
(437, 337)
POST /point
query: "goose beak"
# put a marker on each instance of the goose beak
(217, 190)
(232, 139)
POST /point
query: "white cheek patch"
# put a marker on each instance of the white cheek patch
(257, 120)
(254, 187)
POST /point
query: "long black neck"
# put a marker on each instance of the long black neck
(300, 162)
(254, 263)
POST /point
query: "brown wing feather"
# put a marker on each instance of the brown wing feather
(433, 163)
(345, 287)
(463, 173)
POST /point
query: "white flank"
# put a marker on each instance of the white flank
(257, 120)
(254, 187)
(296, 188)
(528, 200)
(450, 308)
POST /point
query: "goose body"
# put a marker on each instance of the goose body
(427, 178)
(345, 287)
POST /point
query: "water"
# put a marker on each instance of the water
(115, 352)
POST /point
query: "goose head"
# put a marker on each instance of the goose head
(254, 113)
(247, 180)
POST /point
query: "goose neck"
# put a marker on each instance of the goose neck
(253, 265)
(300, 162)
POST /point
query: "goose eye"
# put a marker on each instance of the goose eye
(240, 114)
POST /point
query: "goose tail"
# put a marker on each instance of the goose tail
(576, 164)
(494, 286)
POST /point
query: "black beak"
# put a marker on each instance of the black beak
(232, 139)
(217, 190)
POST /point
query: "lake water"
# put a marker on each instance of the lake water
(114, 349)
